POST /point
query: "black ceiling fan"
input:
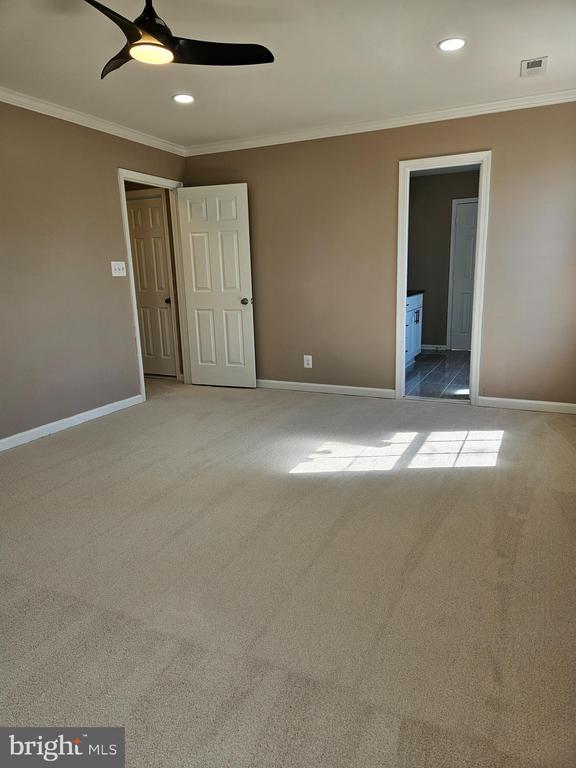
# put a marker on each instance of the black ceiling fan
(150, 40)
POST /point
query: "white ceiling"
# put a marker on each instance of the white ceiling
(338, 62)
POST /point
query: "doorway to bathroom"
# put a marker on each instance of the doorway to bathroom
(440, 274)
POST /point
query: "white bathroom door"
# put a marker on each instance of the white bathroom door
(215, 240)
(464, 219)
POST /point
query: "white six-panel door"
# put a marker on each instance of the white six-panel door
(464, 220)
(152, 275)
(215, 242)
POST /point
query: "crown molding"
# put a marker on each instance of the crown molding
(472, 110)
(115, 129)
(88, 121)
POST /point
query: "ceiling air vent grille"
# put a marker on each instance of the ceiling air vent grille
(532, 67)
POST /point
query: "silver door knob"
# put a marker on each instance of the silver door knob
(243, 301)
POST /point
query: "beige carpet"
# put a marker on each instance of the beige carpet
(285, 580)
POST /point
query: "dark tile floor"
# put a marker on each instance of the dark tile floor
(440, 374)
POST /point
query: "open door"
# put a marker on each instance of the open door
(215, 241)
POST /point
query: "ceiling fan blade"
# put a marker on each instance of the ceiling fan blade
(130, 29)
(218, 54)
(121, 58)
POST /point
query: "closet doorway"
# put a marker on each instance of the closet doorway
(153, 267)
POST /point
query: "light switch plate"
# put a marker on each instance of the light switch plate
(118, 268)
(307, 361)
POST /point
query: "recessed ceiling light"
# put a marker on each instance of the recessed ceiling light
(452, 44)
(183, 98)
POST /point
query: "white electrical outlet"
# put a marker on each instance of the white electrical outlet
(307, 361)
(118, 268)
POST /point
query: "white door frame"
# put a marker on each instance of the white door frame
(152, 181)
(407, 167)
(455, 202)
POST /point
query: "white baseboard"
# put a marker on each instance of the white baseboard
(71, 421)
(438, 400)
(434, 348)
(527, 405)
(327, 389)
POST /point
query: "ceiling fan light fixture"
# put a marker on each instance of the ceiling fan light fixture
(149, 40)
(151, 53)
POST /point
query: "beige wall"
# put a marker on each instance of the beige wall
(430, 229)
(67, 341)
(324, 226)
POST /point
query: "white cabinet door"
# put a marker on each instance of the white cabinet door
(218, 284)
(409, 355)
(413, 335)
(417, 337)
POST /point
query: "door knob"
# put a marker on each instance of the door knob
(168, 300)
(244, 301)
